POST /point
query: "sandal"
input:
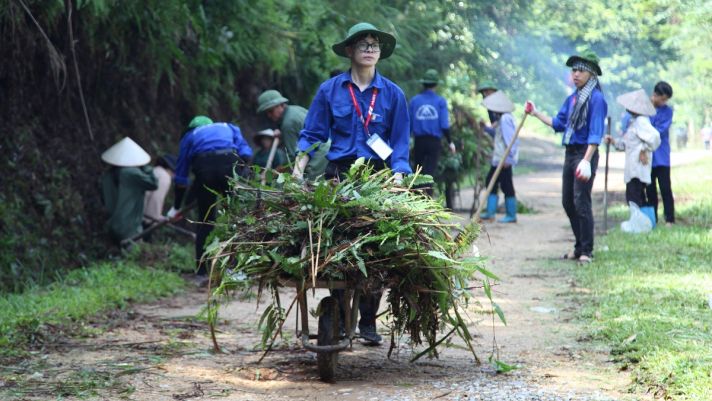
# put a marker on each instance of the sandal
(585, 259)
(571, 255)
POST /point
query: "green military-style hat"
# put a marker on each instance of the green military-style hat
(269, 99)
(485, 85)
(387, 41)
(430, 77)
(586, 56)
(199, 121)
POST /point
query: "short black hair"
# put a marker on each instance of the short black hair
(429, 86)
(663, 88)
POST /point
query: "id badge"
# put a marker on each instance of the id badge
(379, 146)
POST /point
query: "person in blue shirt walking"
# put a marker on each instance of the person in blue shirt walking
(366, 116)
(504, 130)
(662, 120)
(212, 151)
(581, 119)
(429, 122)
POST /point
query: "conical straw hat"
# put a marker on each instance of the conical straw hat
(126, 153)
(637, 102)
(498, 102)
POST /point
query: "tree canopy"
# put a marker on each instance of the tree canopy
(144, 68)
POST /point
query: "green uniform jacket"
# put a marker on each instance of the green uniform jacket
(292, 123)
(123, 190)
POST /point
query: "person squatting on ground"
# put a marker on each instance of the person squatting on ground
(639, 142)
(504, 130)
(366, 116)
(429, 122)
(264, 140)
(212, 151)
(153, 204)
(289, 120)
(124, 186)
(582, 120)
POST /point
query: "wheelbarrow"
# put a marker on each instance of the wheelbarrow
(330, 339)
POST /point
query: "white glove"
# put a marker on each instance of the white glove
(172, 213)
(398, 178)
(452, 148)
(300, 166)
(583, 171)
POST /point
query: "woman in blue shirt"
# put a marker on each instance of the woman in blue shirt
(365, 115)
(581, 119)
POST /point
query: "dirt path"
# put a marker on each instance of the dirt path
(159, 352)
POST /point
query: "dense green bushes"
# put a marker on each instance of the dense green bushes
(146, 67)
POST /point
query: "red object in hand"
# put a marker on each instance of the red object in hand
(528, 107)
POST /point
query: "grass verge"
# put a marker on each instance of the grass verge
(652, 295)
(32, 318)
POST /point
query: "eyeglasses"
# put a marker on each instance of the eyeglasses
(364, 46)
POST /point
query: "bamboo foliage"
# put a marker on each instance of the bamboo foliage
(362, 230)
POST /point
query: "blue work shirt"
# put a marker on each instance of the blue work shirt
(332, 115)
(592, 132)
(209, 138)
(428, 114)
(625, 121)
(662, 121)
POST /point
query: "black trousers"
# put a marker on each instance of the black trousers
(635, 192)
(426, 153)
(212, 172)
(576, 198)
(504, 181)
(661, 175)
(369, 303)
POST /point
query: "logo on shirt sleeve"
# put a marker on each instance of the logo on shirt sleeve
(426, 112)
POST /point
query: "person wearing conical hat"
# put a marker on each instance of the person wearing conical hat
(639, 141)
(366, 116)
(581, 119)
(429, 123)
(486, 88)
(264, 140)
(660, 175)
(504, 130)
(290, 120)
(212, 151)
(123, 187)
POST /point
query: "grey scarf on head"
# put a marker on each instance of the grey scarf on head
(580, 114)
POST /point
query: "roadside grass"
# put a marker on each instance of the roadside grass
(39, 315)
(651, 299)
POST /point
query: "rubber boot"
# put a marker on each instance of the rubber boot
(492, 201)
(649, 212)
(510, 206)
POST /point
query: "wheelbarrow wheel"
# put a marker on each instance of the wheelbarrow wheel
(328, 335)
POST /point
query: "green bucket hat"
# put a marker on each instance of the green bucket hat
(199, 121)
(586, 56)
(485, 85)
(387, 41)
(430, 77)
(269, 99)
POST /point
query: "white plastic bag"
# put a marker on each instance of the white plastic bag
(638, 222)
